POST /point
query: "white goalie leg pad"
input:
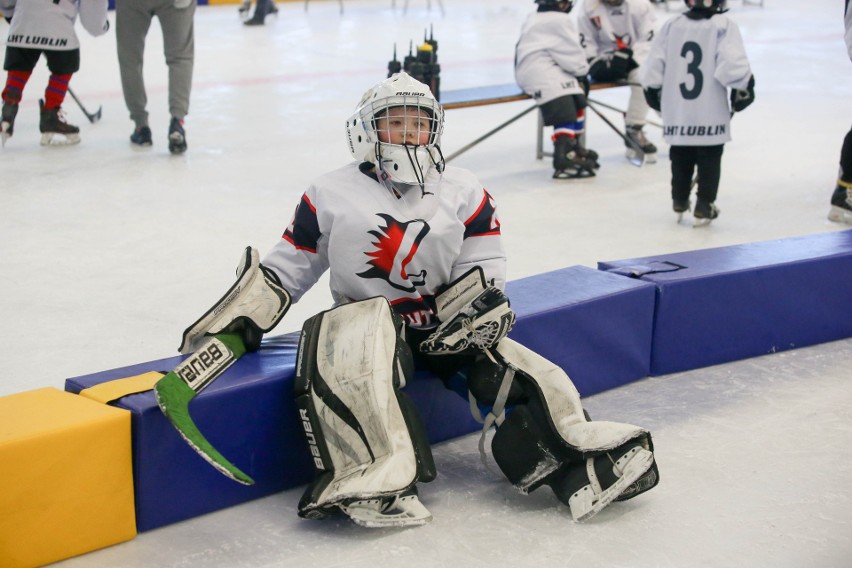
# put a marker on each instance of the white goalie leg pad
(562, 401)
(356, 426)
(612, 456)
(252, 306)
(533, 454)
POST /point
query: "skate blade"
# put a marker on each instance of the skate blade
(651, 158)
(4, 133)
(56, 139)
(588, 507)
(636, 158)
(698, 223)
(840, 215)
(571, 174)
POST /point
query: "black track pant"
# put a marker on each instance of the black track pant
(685, 159)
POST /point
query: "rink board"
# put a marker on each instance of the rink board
(596, 325)
(736, 302)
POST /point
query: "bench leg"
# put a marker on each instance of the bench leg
(490, 133)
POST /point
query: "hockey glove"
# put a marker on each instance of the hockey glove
(612, 66)
(653, 96)
(740, 99)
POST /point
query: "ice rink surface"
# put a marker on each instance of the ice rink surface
(109, 252)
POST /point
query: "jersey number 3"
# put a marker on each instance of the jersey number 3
(691, 51)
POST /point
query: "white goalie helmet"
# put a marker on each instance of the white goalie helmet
(397, 126)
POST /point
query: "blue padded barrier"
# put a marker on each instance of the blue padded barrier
(597, 329)
(729, 303)
(596, 325)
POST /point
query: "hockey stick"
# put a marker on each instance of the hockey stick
(92, 117)
(623, 113)
(175, 391)
(637, 161)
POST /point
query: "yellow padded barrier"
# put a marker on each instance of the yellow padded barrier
(66, 479)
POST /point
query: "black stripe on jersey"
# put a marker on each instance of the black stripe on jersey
(304, 232)
(484, 221)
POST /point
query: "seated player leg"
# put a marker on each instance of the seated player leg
(368, 445)
(570, 158)
(547, 439)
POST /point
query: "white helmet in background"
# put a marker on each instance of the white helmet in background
(410, 162)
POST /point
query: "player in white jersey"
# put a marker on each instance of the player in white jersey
(39, 27)
(694, 60)
(551, 66)
(841, 199)
(417, 271)
(616, 35)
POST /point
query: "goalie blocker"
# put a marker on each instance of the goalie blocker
(253, 305)
(544, 437)
(366, 439)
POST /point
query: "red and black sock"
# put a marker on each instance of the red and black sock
(15, 83)
(57, 86)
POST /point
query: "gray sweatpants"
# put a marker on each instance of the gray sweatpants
(132, 21)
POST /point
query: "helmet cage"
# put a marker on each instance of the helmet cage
(409, 160)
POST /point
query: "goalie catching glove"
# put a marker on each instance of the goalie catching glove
(474, 317)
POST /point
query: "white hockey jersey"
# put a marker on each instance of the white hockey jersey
(375, 244)
(602, 27)
(696, 62)
(44, 24)
(549, 57)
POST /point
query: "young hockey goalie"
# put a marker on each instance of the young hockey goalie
(417, 269)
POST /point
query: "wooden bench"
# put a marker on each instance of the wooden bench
(496, 94)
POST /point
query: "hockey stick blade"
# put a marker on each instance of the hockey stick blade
(175, 391)
(93, 117)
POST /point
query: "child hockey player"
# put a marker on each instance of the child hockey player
(841, 199)
(417, 269)
(551, 66)
(616, 35)
(695, 58)
(38, 27)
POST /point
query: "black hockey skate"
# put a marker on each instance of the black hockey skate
(841, 204)
(262, 8)
(571, 160)
(177, 137)
(587, 487)
(7, 122)
(53, 124)
(643, 149)
(680, 206)
(704, 213)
